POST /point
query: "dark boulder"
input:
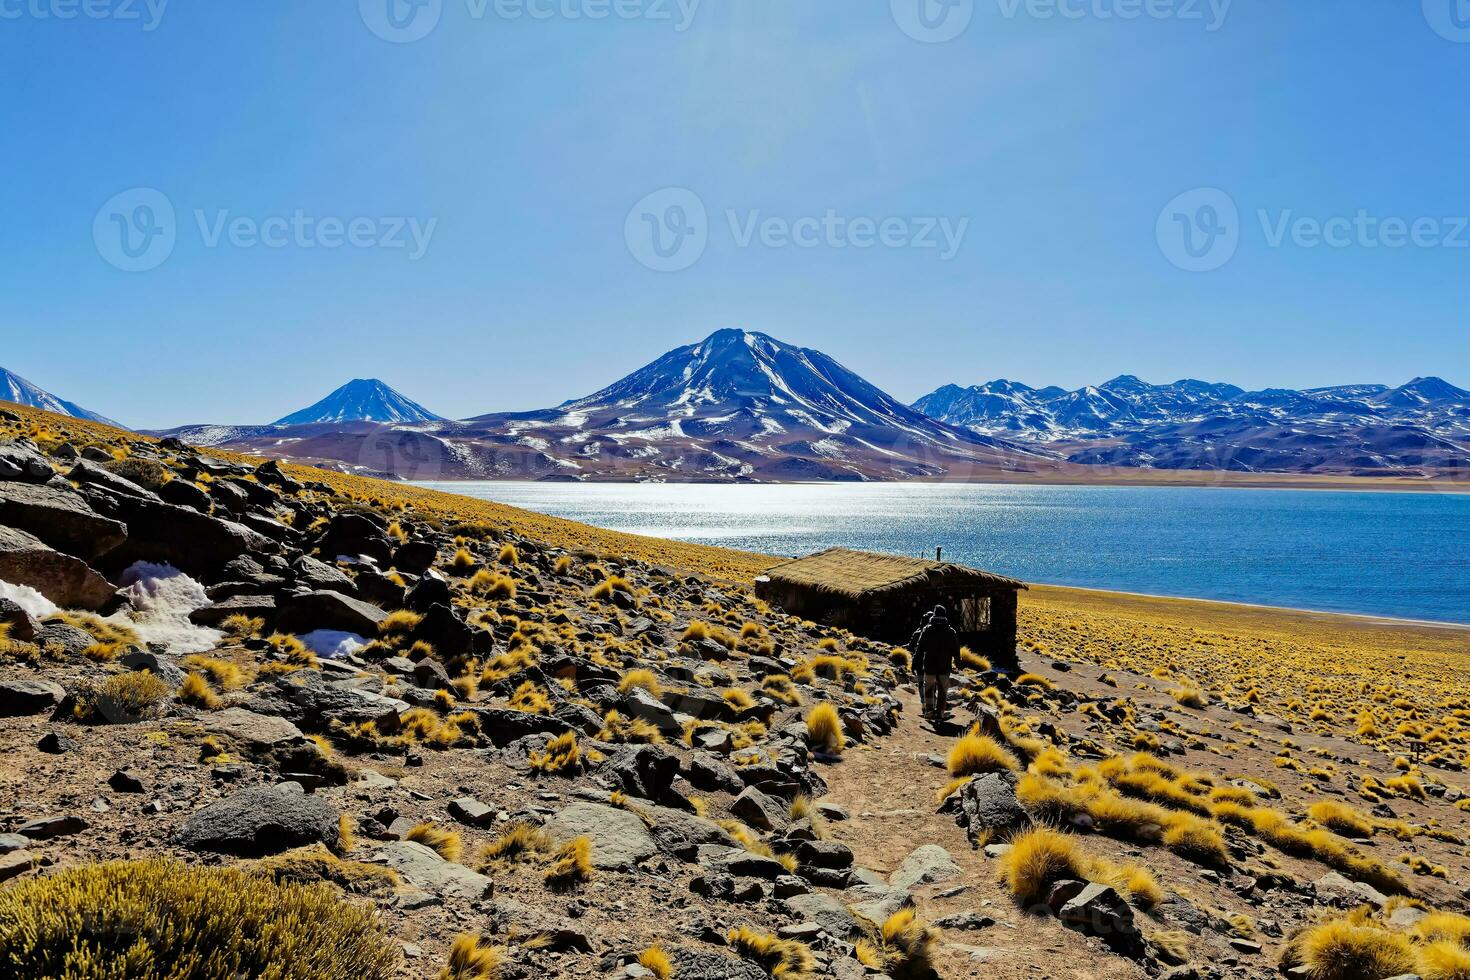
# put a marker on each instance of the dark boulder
(61, 518)
(304, 612)
(415, 557)
(256, 822)
(66, 581)
(21, 462)
(180, 536)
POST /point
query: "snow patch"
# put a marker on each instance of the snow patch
(162, 598)
(332, 644)
(28, 599)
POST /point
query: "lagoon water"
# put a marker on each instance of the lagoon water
(1389, 554)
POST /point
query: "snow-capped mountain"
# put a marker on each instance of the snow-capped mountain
(735, 406)
(1365, 428)
(14, 388)
(362, 400)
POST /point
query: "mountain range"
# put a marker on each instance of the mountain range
(744, 406)
(14, 388)
(1365, 429)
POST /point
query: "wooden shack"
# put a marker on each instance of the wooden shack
(884, 597)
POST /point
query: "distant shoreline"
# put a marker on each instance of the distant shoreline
(1164, 479)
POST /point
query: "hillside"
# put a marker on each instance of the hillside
(483, 736)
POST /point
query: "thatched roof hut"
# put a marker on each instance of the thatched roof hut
(885, 596)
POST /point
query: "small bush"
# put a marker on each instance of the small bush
(825, 729)
(124, 697)
(618, 728)
(640, 677)
(148, 920)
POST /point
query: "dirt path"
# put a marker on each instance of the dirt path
(889, 791)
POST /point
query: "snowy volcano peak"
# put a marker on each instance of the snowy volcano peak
(741, 370)
(14, 388)
(362, 400)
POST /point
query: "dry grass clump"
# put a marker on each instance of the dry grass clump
(161, 920)
(1341, 818)
(618, 728)
(469, 960)
(492, 585)
(640, 677)
(520, 843)
(903, 947)
(825, 729)
(447, 843)
(656, 961)
(530, 698)
(781, 688)
(613, 583)
(196, 691)
(314, 863)
(783, 959)
(572, 867)
(561, 756)
(225, 674)
(829, 666)
(976, 753)
(1038, 859)
(1344, 950)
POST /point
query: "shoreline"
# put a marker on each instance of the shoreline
(1361, 619)
(1284, 481)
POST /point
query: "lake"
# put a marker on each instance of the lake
(1389, 554)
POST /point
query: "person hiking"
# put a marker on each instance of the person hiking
(938, 650)
(916, 662)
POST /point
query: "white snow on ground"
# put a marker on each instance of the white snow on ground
(28, 599)
(162, 598)
(332, 644)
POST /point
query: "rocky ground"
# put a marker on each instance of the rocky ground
(578, 752)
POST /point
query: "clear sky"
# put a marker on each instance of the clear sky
(520, 136)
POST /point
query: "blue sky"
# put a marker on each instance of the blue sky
(519, 145)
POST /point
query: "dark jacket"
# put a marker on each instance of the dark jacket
(938, 649)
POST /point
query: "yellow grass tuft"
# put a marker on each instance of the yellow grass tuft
(656, 961)
(561, 755)
(1039, 858)
(196, 691)
(447, 843)
(1344, 950)
(469, 960)
(825, 729)
(521, 842)
(783, 959)
(573, 865)
(975, 754)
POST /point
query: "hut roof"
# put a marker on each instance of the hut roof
(853, 574)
